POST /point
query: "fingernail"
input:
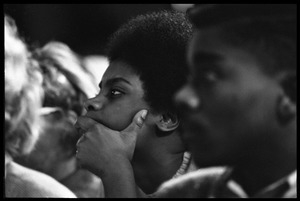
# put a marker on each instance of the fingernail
(144, 114)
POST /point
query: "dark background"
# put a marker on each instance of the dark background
(84, 27)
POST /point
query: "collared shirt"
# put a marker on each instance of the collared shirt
(283, 188)
(215, 182)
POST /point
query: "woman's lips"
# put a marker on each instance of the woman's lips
(92, 116)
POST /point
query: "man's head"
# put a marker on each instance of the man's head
(240, 101)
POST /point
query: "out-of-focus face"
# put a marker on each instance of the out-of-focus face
(120, 97)
(50, 151)
(228, 105)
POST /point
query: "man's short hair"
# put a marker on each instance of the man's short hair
(267, 31)
(263, 29)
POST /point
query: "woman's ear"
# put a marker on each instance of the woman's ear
(167, 122)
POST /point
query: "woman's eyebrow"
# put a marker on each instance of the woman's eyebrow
(113, 81)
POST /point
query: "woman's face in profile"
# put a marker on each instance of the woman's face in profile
(120, 97)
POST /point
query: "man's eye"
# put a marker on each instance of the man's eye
(210, 76)
(205, 78)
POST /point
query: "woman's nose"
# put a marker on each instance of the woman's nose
(92, 104)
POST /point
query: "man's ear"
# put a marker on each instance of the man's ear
(289, 84)
(287, 102)
(167, 122)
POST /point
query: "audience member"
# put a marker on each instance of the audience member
(239, 108)
(23, 99)
(133, 154)
(66, 84)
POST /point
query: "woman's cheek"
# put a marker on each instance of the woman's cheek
(118, 120)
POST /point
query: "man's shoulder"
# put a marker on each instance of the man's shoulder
(193, 184)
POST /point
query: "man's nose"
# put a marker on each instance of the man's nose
(186, 99)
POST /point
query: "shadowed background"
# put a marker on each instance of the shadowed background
(84, 27)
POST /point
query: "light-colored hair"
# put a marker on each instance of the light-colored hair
(96, 66)
(67, 84)
(23, 93)
(60, 56)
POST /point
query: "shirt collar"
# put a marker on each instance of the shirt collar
(290, 179)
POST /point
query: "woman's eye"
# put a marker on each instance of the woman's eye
(115, 92)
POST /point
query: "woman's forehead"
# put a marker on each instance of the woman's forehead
(120, 71)
(119, 68)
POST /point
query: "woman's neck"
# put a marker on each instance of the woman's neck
(151, 173)
(158, 164)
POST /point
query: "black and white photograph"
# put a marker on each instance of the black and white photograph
(150, 101)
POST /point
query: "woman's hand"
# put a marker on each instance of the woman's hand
(100, 149)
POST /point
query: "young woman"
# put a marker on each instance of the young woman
(147, 66)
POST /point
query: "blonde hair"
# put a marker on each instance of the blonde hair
(64, 59)
(23, 93)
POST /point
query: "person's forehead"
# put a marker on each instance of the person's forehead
(120, 72)
(209, 48)
(202, 48)
(118, 69)
(208, 44)
(206, 38)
